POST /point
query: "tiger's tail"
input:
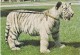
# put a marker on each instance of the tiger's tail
(6, 32)
(7, 29)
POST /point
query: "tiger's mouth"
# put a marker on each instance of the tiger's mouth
(67, 18)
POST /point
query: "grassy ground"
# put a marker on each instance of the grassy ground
(69, 35)
(25, 7)
(29, 2)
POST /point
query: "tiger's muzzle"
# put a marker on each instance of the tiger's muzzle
(68, 17)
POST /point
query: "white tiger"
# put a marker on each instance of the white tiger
(37, 23)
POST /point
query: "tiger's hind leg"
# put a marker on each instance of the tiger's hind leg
(12, 41)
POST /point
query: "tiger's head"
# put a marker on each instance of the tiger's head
(65, 10)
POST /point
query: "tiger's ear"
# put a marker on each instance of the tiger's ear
(58, 5)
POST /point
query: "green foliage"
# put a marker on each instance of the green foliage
(69, 35)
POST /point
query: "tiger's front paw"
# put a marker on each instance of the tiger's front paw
(45, 51)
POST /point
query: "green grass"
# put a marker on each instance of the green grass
(28, 2)
(11, 3)
(25, 7)
(69, 35)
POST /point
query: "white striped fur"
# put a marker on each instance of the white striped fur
(37, 23)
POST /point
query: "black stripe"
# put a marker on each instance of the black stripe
(15, 21)
(13, 33)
